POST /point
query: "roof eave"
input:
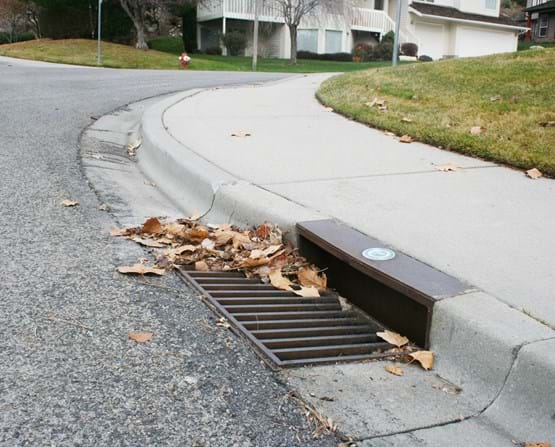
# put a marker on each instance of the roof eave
(475, 22)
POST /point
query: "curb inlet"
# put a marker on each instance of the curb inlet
(286, 329)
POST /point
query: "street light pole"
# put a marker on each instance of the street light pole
(397, 32)
(255, 36)
(99, 34)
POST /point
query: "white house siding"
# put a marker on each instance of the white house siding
(480, 41)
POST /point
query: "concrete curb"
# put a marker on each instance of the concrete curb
(477, 339)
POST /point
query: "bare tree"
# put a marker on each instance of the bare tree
(12, 15)
(138, 11)
(294, 11)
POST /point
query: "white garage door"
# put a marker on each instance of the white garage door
(472, 41)
(432, 40)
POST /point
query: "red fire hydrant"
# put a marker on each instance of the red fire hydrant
(184, 60)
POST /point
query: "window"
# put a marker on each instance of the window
(307, 40)
(543, 25)
(333, 41)
(378, 4)
(491, 4)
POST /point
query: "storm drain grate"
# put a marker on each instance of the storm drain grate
(287, 329)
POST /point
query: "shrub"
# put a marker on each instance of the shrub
(214, 51)
(389, 37)
(409, 49)
(235, 42)
(362, 51)
(5, 37)
(425, 58)
(338, 57)
(382, 51)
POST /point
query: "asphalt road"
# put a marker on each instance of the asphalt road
(69, 376)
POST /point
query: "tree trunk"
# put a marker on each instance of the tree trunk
(183, 34)
(293, 35)
(141, 36)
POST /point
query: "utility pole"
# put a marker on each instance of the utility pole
(99, 55)
(255, 36)
(397, 32)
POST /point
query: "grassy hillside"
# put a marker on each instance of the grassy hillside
(508, 96)
(83, 52)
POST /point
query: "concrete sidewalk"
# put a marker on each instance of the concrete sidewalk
(487, 225)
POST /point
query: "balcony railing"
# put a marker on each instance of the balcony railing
(362, 19)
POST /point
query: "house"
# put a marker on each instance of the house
(541, 20)
(441, 28)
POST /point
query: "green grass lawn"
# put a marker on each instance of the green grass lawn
(526, 45)
(438, 103)
(164, 55)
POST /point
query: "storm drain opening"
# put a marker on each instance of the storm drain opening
(287, 329)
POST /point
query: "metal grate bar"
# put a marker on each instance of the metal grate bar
(285, 328)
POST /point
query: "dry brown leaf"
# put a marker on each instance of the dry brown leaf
(393, 338)
(140, 337)
(69, 203)
(307, 292)
(180, 250)
(132, 147)
(224, 237)
(395, 370)
(279, 281)
(249, 262)
(121, 231)
(222, 322)
(240, 239)
(406, 139)
(256, 254)
(201, 266)
(147, 242)
(449, 167)
(547, 124)
(537, 444)
(406, 119)
(272, 249)
(310, 278)
(197, 234)
(496, 98)
(141, 269)
(174, 229)
(152, 226)
(534, 174)
(425, 358)
(241, 134)
(476, 130)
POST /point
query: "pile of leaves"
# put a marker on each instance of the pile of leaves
(260, 252)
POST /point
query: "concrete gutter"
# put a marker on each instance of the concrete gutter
(502, 359)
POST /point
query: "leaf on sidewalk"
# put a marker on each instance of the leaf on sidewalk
(534, 174)
(241, 134)
(328, 109)
(537, 444)
(152, 226)
(310, 278)
(141, 269)
(69, 203)
(393, 338)
(132, 147)
(140, 337)
(147, 242)
(449, 167)
(395, 370)
(406, 139)
(425, 358)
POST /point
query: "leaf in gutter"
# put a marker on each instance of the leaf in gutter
(425, 358)
(201, 266)
(395, 370)
(393, 338)
(310, 278)
(141, 269)
(279, 281)
(306, 292)
(536, 444)
(152, 226)
(406, 139)
(147, 242)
